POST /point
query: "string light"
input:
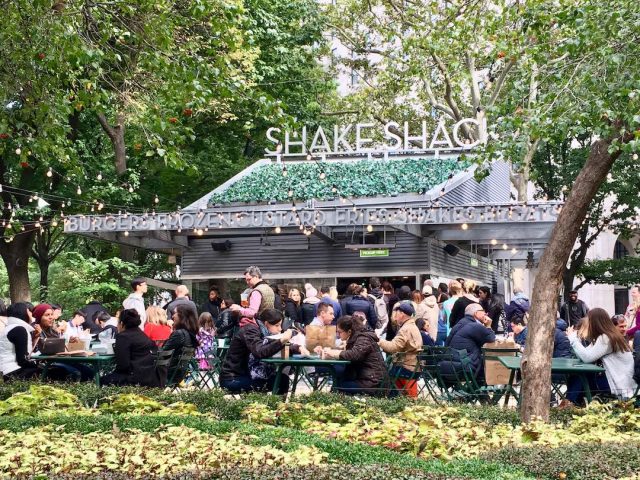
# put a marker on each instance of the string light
(284, 171)
(464, 226)
(494, 242)
(99, 177)
(278, 230)
(130, 189)
(504, 246)
(126, 233)
(369, 228)
(50, 172)
(323, 175)
(18, 151)
(156, 200)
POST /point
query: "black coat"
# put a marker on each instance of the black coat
(91, 311)
(226, 324)
(561, 345)
(360, 304)
(307, 313)
(135, 356)
(367, 366)
(469, 335)
(177, 341)
(293, 311)
(211, 307)
(248, 340)
(457, 311)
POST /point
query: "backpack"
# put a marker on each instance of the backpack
(381, 309)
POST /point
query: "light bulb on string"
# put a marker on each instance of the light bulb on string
(126, 233)
(79, 191)
(54, 223)
(18, 151)
(494, 242)
(504, 246)
(99, 177)
(130, 189)
(284, 171)
(369, 228)
(156, 200)
(50, 172)
(323, 175)
(464, 226)
(277, 230)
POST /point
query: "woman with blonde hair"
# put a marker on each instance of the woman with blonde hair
(293, 306)
(157, 326)
(469, 297)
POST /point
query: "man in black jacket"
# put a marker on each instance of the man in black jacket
(212, 305)
(573, 309)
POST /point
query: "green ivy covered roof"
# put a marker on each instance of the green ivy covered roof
(362, 178)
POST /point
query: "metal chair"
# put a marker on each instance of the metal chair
(179, 371)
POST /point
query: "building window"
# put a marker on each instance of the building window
(620, 251)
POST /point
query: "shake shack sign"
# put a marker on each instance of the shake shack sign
(391, 137)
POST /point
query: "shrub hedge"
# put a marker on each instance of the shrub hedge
(225, 407)
(583, 461)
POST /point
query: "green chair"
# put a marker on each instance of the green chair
(205, 378)
(394, 374)
(181, 369)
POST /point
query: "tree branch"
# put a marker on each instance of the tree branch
(499, 82)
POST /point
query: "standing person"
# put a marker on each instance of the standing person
(376, 296)
(348, 295)
(360, 303)
(16, 344)
(573, 309)
(212, 305)
(611, 348)
(325, 297)
(157, 326)
(293, 306)
(407, 344)
(390, 298)
(261, 295)
(492, 305)
(309, 304)
(182, 298)
(518, 306)
(429, 311)
(135, 355)
(455, 292)
(442, 294)
(135, 299)
(633, 310)
(469, 297)
(227, 323)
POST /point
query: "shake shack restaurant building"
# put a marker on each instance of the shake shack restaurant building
(342, 216)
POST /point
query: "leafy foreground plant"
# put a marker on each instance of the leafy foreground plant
(327, 472)
(167, 450)
(46, 400)
(443, 432)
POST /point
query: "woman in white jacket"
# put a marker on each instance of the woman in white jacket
(609, 347)
(16, 344)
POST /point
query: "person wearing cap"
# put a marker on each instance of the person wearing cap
(470, 334)
(407, 344)
(428, 310)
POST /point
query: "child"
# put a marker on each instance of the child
(207, 337)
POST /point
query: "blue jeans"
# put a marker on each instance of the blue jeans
(79, 371)
(597, 384)
(350, 387)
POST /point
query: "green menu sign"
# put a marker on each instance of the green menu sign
(374, 252)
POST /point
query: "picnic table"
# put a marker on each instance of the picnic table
(99, 363)
(298, 362)
(567, 366)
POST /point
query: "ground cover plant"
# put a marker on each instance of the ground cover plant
(153, 433)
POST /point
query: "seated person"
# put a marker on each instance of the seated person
(43, 314)
(107, 329)
(75, 328)
(520, 331)
(620, 323)
(610, 347)
(407, 344)
(236, 375)
(423, 328)
(157, 326)
(470, 334)
(135, 355)
(184, 336)
(16, 343)
(366, 372)
(227, 322)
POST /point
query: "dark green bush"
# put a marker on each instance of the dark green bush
(592, 461)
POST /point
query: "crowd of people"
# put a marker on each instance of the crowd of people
(370, 321)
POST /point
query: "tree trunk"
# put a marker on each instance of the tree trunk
(44, 280)
(116, 135)
(536, 363)
(15, 255)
